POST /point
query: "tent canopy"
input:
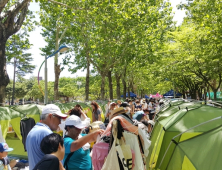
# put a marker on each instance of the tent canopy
(147, 97)
(200, 152)
(189, 115)
(171, 93)
(131, 95)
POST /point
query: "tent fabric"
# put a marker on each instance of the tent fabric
(131, 95)
(219, 95)
(176, 123)
(171, 93)
(201, 152)
(147, 97)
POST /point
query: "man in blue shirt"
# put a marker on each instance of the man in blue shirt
(50, 119)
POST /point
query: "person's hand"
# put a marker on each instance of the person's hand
(98, 132)
(12, 163)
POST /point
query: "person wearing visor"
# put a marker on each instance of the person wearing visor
(49, 121)
(77, 147)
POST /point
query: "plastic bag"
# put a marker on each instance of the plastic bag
(99, 153)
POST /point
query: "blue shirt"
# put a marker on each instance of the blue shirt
(33, 141)
(80, 160)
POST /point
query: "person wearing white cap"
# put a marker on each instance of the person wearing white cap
(77, 148)
(50, 119)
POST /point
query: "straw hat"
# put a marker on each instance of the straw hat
(117, 112)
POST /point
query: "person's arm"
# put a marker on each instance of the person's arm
(85, 139)
(61, 166)
(83, 115)
(99, 114)
(99, 117)
(107, 115)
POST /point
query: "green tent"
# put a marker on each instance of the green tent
(10, 125)
(11, 117)
(173, 125)
(175, 108)
(169, 103)
(201, 152)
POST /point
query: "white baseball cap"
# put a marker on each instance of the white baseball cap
(51, 108)
(74, 120)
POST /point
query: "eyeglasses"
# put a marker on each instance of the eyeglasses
(56, 116)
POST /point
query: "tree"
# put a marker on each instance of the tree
(16, 48)
(13, 14)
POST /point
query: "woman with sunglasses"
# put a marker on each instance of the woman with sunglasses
(77, 147)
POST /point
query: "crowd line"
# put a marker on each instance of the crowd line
(121, 140)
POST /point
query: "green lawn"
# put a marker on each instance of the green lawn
(17, 145)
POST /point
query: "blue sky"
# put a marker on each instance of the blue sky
(38, 42)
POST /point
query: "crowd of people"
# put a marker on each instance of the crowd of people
(48, 150)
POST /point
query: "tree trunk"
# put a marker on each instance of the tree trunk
(215, 95)
(4, 79)
(124, 88)
(117, 85)
(200, 93)
(57, 69)
(192, 93)
(87, 78)
(205, 95)
(103, 87)
(131, 87)
(128, 89)
(110, 85)
(184, 95)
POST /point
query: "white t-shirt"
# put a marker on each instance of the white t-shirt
(145, 105)
(150, 106)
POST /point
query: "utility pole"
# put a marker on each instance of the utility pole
(46, 82)
(13, 89)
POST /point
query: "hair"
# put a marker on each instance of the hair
(137, 101)
(70, 126)
(145, 122)
(44, 116)
(95, 105)
(78, 105)
(129, 100)
(75, 111)
(50, 143)
(145, 110)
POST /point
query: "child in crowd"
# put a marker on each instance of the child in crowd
(52, 146)
(5, 164)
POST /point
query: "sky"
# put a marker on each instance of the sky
(38, 42)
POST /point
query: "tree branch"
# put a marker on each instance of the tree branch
(2, 4)
(63, 33)
(20, 19)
